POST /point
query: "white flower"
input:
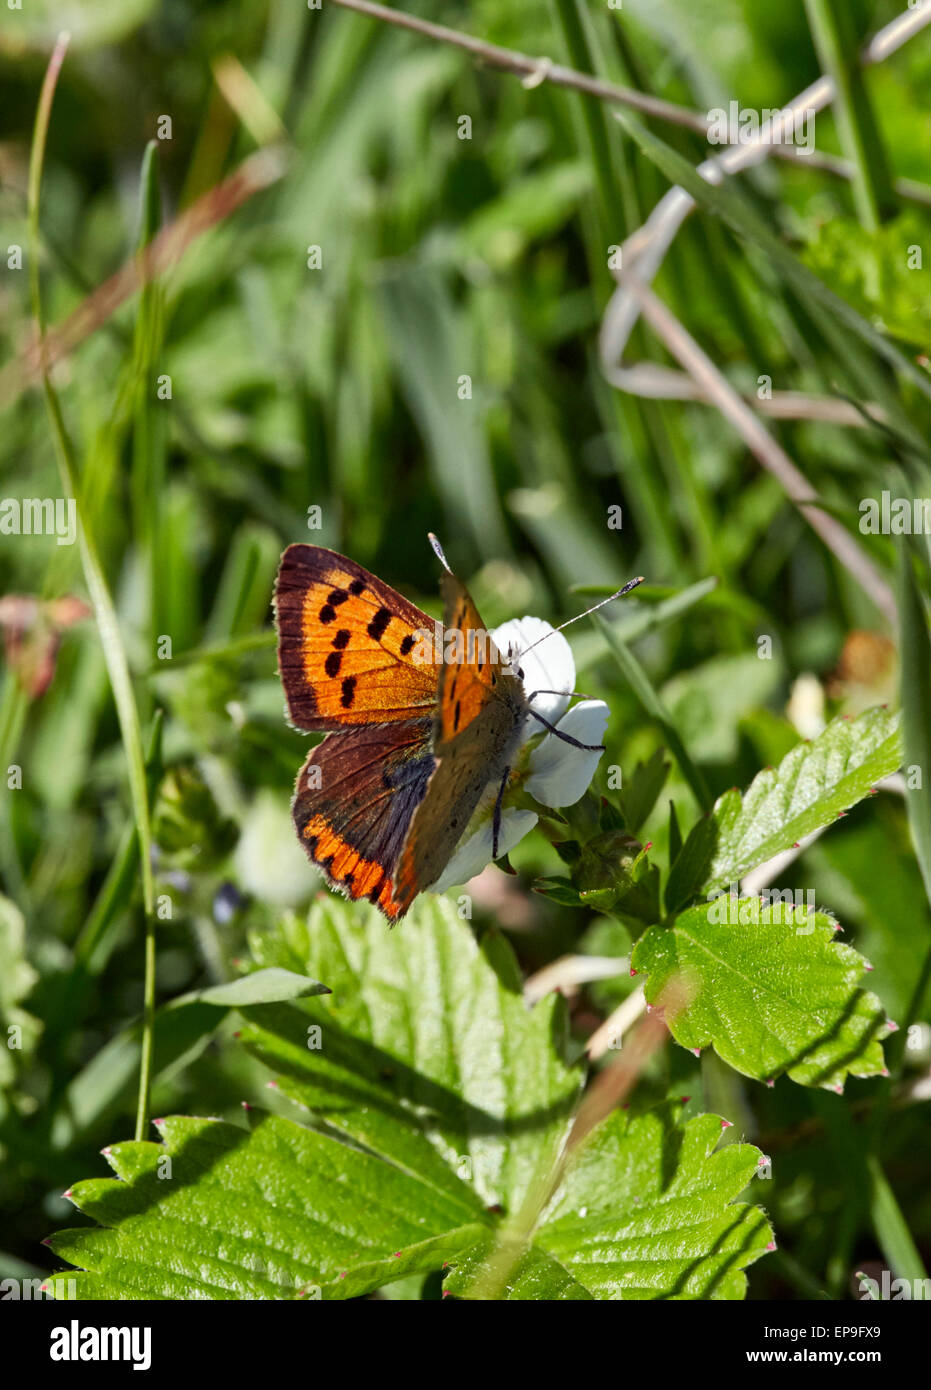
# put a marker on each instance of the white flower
(557, 773)
(560, 774)
(475, 853)
(548, 667)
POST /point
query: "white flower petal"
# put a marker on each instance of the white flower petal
(559, 773)
(548, 667)
(474, 854)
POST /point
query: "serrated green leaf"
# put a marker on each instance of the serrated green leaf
(812, 785)
(428, 1053)
(535, 1275)
(435, 1091)
(218, 1212)
(647, 1211)
(769, 987)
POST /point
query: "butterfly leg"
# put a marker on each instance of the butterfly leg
(567, 738)
(496, 816)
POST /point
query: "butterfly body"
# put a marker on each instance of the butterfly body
(413, 740)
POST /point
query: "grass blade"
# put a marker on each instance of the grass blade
(916, 710)
(640, 684)
(831, 24)
(108, 627)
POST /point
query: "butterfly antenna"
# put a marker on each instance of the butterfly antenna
(631, 584)
(438, 551)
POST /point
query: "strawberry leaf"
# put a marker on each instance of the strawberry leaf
(437, 1104)
(769, 987)
(810, 788)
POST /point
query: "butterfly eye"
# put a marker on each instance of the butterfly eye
(520, 672)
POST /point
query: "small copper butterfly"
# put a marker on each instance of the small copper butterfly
(417, 726)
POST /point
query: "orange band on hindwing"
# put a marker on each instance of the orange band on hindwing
(354, 801)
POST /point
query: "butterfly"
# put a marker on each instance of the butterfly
(417, 725)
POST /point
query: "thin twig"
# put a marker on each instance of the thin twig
(610, 1033)
(536, 70)
(647, 247)
(653, 239)
(659, 382)
(568, 972)
(771, 455)
(609, 1089)
(254, 173)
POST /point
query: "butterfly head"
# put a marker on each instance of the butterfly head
(511, 660)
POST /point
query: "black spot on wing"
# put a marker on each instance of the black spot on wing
(379, 624)
(349, 692)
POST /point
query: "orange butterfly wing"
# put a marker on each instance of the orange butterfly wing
(382, 802)
(348, 644)
(470, 683)
(354, 800)
(477, 731)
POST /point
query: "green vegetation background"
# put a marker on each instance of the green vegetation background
(337, 388)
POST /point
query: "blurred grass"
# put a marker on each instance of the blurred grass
(339, 388)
